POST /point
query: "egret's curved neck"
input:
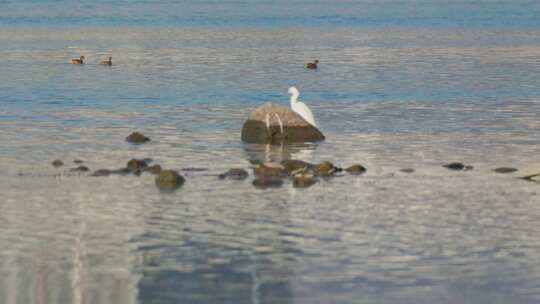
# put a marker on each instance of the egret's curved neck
(294, 98)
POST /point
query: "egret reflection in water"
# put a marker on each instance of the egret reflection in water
(277, 153)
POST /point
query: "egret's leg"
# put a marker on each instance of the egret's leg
(267, 119)
(280, 123)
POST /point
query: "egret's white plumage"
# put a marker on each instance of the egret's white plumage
(300, 108)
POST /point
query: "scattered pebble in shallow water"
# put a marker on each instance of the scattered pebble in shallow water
(505, 170)
(235, 173)
(356, 169)
(265, 182)
(169, 180)
(454, 166)
(79, 169)
(137, 138)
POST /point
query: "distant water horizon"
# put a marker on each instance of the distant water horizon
(401, 85)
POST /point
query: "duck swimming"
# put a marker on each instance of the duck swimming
(78, 61)
(106, 61)
(312, 65)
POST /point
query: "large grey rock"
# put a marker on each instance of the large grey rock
(295, 128)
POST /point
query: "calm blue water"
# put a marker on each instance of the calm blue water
(401, 84)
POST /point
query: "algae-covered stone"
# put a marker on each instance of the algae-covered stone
(294, 165)
(235, 173)
(325, 169)
(356, 169)
(270, 169)
(295, 128)
(505, 170)
(303, 181)
(169, 180)
(454, 166)
(265, 182)
(136, 165)
(155, 169)
(137, 138)
(80, 169)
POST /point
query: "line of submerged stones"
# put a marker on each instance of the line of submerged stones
(268, 175)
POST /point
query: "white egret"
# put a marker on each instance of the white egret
(300, 108)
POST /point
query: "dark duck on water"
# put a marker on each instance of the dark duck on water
(312, 65)
(78, 61)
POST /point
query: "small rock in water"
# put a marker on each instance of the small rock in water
(107, 172)
(57, 163)
(78, 161)
(137, 138)
(169, 180)
(407, 170)
(255, 162)
(505, 170)
(235, 173)
(194, 169)
(303, 181)
(155, 169)
(326, 169)
(270, 169)
(102, 172)
(136, 165)
(265, 182)
(455, 166)
(80, 169)
(356, 169)
(292, 165)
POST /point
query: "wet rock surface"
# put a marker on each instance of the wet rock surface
(504, 170)
(295, 128)
(265, 182)
(80, 169)
(102, 172)
(270, 169)
(294, 165)
(235, 174)
(326, 169)
(136, 165)
(356, 169)
(107, 172)
(154, 169)
(137, 138)
(458, 167)
(303, 181)
(454, 166)
(194, 169)
(169, 180)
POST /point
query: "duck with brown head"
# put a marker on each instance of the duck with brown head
(106, 61)
(78, 61)
(312, 65)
